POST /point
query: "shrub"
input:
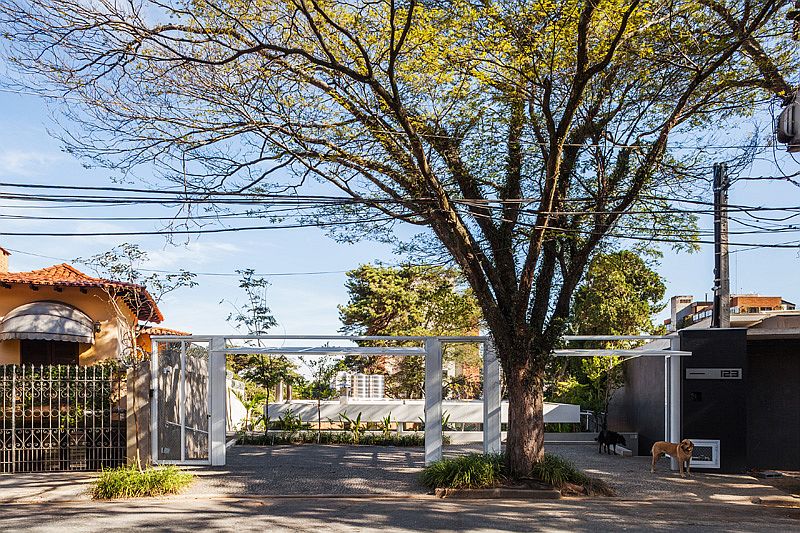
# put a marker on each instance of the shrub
(466, 472)
(483, 471)
(557, 471)
(130, 482)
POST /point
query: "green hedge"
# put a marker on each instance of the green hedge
(333, 437)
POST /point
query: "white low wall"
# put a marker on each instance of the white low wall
(237, 412)
(459, 411)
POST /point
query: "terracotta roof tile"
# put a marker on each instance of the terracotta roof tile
(69, 276)
(158, 330)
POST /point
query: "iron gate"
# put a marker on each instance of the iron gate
(61, 417)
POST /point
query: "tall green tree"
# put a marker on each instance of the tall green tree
(619, 296)
(409, 300)
(254, 317)
(519, 135)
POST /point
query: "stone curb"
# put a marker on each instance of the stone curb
(499, 493)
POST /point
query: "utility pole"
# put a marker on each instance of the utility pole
(721, 314)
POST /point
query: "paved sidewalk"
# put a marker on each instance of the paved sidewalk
(421, 514)
(45, 487)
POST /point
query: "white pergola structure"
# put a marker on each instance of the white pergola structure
(183, 397)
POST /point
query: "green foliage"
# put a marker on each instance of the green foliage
(386, 425)
(131, 482)
(619, 296)
(254, 317)
(323, 371)
(336, 437)
(289, 423)
(354, 426)
(483, 471)
(557, 471)
(409, 300)
(466, 472)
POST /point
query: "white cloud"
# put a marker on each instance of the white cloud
(28, 163)
(191, 255)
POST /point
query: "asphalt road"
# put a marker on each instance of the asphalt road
(423, 514)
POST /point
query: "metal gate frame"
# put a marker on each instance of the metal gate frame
(155, 387)
(433, 382)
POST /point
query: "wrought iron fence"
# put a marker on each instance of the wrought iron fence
(61, 417)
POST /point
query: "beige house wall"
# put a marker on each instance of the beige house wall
(94, 303)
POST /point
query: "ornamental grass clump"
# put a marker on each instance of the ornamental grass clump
(131, 482)
(466, 472)
(557, 471)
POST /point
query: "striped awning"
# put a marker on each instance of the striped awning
(53, 321)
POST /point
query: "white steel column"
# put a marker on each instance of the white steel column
(675, 396)
(218, 391)
(491, 399)
(154, 386)
(182, 400)
(433, 400)
(666, 398)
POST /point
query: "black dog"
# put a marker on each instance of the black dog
(608, 439)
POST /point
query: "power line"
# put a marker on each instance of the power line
(192, 231)
(219, 274)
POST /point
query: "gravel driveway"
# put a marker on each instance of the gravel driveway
(313, 469)
(378, 470)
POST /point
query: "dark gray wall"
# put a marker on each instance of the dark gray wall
(639, 406)
(773, 404)
(716, 408)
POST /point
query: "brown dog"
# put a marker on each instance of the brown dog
(680, 452)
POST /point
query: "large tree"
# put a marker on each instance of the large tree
(522, 134)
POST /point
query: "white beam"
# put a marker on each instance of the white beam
(327, 350)
(491, 400)
(433, 400)
(611, 352)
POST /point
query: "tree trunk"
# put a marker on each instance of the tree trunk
(525, 444)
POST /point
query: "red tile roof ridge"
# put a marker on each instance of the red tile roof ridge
(159, 330)
(68, 275)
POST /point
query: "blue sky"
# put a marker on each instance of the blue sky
(305, 303)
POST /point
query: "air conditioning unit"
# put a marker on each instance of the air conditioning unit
(705, 453)
(788, 127)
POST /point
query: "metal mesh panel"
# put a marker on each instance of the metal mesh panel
(61, 418)
(196, 394)
(183, 396)
(169, 421)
